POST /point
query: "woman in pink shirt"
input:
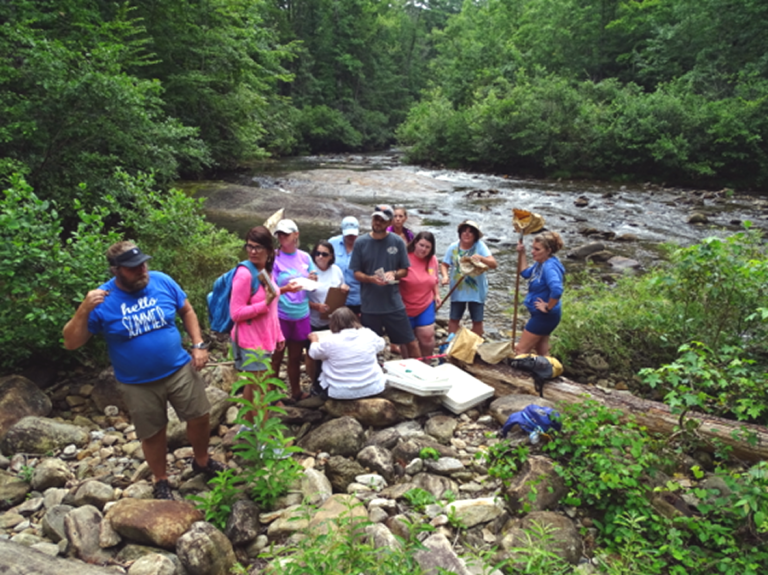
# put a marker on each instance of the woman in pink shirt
(420, 291)
(256, 327)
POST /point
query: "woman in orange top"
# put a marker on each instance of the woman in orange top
(420, 291)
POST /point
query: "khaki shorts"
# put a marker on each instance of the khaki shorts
(147, 402)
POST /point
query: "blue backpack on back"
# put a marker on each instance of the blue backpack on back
(218, 299)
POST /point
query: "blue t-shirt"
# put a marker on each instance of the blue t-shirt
(140, 329)
(472, 288)
(342, 260)
(545, 282)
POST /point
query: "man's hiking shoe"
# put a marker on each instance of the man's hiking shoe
(210, 470)
(162, 490)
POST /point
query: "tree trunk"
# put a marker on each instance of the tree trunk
(18, 559)
(651, 414)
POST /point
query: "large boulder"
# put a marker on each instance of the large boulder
(411, 406)
(370, 412)
(153, 522)
(585, 250)
(204, 550)
(504, 406)
(342, 436)
(564, 539)
(13, 490)
(19, 397)
(34, 434)
(537, 476)
(378, 460)
(82, 526)
(51, 472)
(177, 429)
(243, 525)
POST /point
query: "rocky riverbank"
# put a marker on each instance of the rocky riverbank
(74, 483)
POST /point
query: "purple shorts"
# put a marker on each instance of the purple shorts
(296, 329)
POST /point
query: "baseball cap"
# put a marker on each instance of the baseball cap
(130, 258)
(384, 211)
(286, 227)
(350, 226)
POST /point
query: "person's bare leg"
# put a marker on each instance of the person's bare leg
(277, 360)
(425, 335)
(403, 350)
(528, 341)
(199, 434)
(453, 325)
(155, 449)
(248, 394)
(295, 349)
(413, 348)
(542, 348)
(477, 327)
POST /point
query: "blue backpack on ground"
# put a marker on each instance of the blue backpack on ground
(534, 420)
(218, 299)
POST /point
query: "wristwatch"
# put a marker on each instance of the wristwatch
(201, 345)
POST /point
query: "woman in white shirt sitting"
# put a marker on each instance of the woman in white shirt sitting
(350, 369)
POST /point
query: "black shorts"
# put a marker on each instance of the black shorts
(395, 324)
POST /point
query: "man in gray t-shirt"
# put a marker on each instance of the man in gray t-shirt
(382, 307)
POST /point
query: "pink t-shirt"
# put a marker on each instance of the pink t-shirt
(256, 324)
(418, 288)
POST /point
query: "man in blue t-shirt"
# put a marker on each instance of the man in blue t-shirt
(136, 311)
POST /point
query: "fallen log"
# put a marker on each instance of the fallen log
(18, 559)
(656, 416)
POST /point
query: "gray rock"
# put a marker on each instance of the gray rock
(441, 427)
(411, 406)
(243, 524)
(435, 484)
(342, 471)
(153, 564)
(20, 397)
(370, 412)
(315, 486)
(381, 537)
(204, 550)
(415, 466)
(51, 472)
(539, 473)
(13, 490)
(601, 256)
(10, 519)
(622, 263)
(54, 496)
(406, 451)
(30, 506)
(698, 218)
(108, 537)
(471, 512)
(377, 459)
(50, 549)
(107, 392)
(53, 522)
(444, 465)
(34, 434)
(506, 405)
(564, 540)
(342, 436)
(439, 554)
(94, 493)
(82, 527)
(585, 250)
(386, 438)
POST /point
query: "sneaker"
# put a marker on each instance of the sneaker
(210, 470)
(162, 490)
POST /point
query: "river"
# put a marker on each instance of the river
(631, 221)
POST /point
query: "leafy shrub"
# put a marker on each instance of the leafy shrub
(711, 292)
(43, 275)
(326, 129)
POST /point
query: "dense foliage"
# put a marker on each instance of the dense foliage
(670, 90)
(713, 292)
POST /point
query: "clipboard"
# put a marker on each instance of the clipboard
(334, 299)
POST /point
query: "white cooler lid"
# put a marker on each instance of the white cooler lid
(466, 390)
(416, 377)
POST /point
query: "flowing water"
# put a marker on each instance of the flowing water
(630, 220)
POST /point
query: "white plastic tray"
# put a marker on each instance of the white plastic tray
(416, 377)
(466, 390)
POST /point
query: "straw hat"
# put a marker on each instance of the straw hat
(471, 224)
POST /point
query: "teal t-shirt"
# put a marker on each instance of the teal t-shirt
(472, 288)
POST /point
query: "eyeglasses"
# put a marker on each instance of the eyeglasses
(254, 248)
(323, 254)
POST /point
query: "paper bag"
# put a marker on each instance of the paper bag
(464, 345)
(494, 352)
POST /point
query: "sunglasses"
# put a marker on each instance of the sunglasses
(323, 254)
